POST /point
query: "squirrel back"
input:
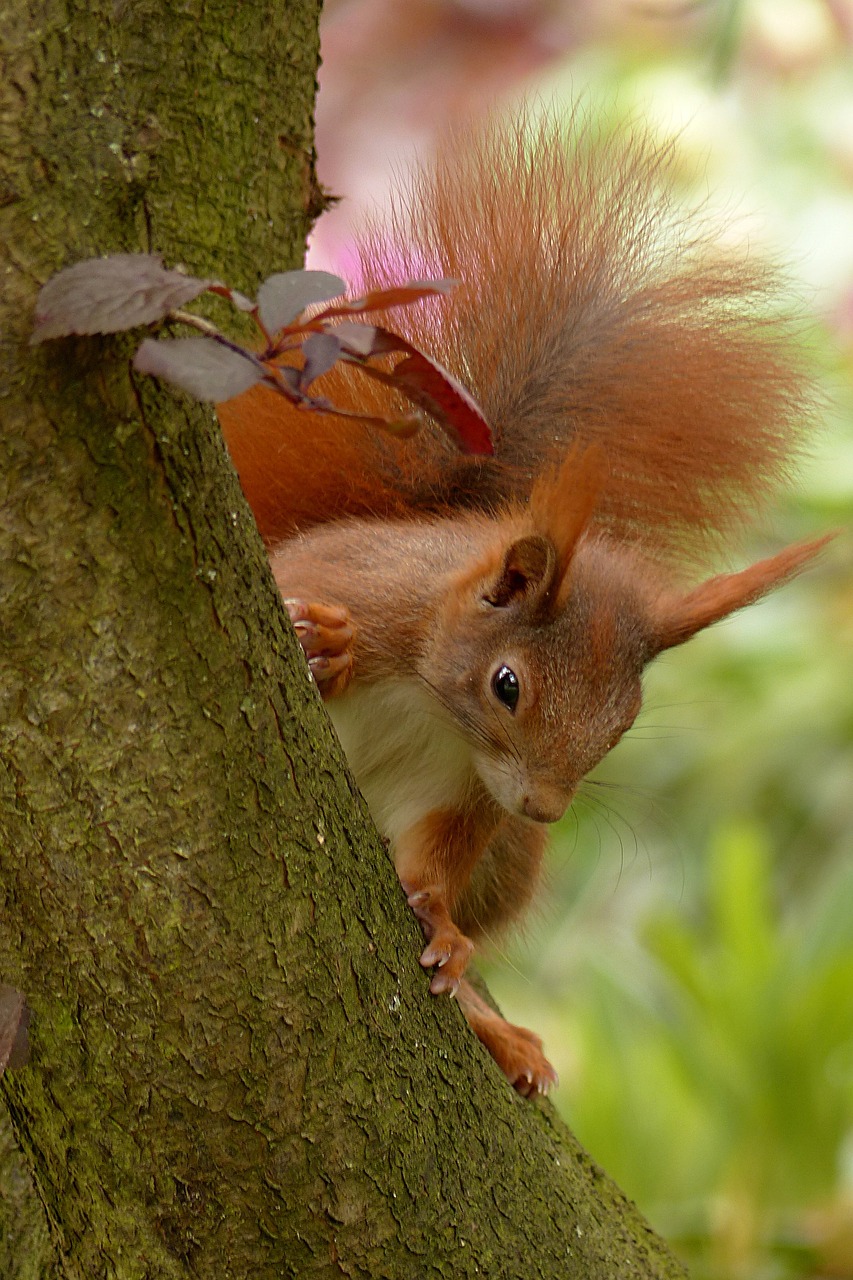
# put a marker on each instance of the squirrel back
(590, 311)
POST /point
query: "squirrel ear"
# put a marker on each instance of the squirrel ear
(562, 503)
(680, 618)
(528, 568)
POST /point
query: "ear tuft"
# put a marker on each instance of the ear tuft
(527, 571)
(563, 501)
(678, 619)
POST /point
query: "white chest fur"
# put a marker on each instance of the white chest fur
(407, 757)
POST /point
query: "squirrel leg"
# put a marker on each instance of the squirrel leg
(326, 634)
(434, 860)
(517, 1052)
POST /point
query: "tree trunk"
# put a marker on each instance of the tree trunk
(236, 1069)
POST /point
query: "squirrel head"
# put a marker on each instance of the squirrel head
(543, 639)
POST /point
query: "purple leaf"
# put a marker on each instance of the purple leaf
(360, 339)
(14, 1020)
(321, 352)
(205, 368)
(284, 296)
(107, 295)
(292, 380)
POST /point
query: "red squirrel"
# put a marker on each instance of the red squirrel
(479, 626)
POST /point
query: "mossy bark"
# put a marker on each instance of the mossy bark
(236, 1068)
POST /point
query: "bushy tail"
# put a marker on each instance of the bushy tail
(591, 310)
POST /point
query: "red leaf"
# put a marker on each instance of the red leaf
(422, 380)
(241, 302)
(444, 399)
(397, 296)
(108, 295)
(206, 369)
(284, 296)
(14, 1020)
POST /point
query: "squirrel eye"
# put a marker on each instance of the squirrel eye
(506, 687)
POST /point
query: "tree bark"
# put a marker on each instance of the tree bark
(236, 1067)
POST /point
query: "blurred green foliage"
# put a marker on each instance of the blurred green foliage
(691, 971)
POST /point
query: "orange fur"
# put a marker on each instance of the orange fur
(591, 310)
(680, 618)
(563, 503)
(647, 396)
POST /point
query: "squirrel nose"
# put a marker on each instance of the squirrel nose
(547, 805)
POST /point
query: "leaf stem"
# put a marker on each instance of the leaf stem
(195, 322)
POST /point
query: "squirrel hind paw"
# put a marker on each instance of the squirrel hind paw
(519, 1055)
(517, 1051)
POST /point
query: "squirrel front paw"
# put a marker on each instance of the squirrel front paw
(326, 634)
(447, 947)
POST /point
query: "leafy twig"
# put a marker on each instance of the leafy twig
(108, 295)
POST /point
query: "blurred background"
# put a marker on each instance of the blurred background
(690, 965)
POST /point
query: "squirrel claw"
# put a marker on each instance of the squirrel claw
(444, 985)
(517, 1051)
(326, 635)
(450, 954)
(447, 949)
(538, 1077)
(437, 953)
